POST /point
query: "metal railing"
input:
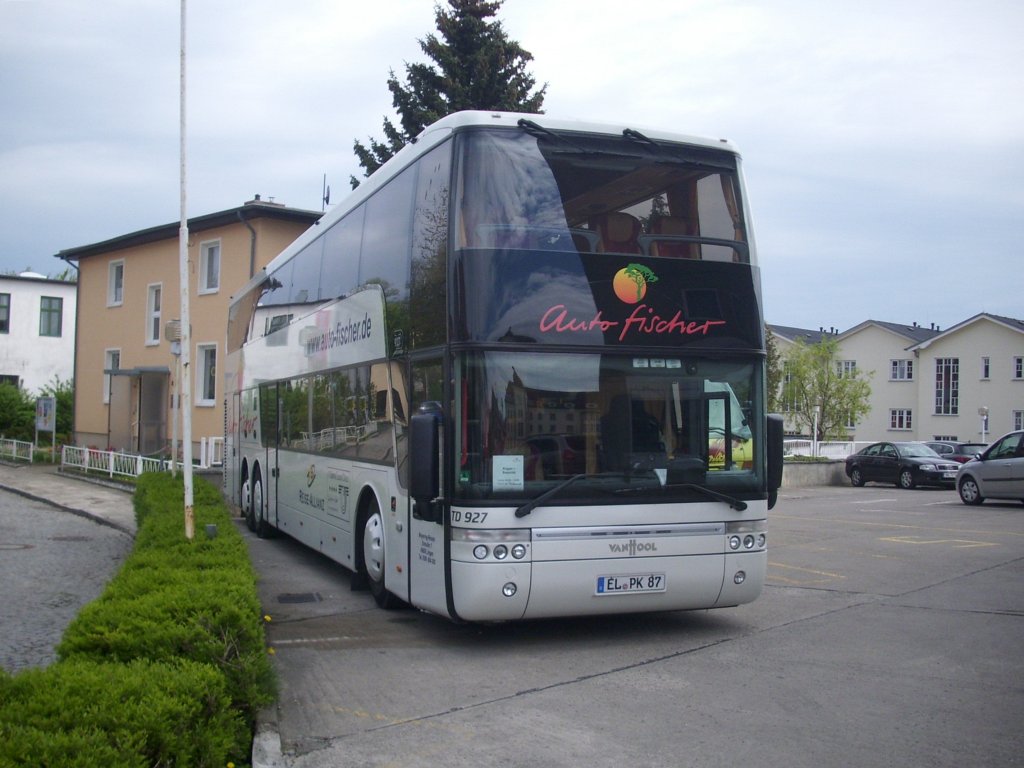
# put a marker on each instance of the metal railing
(110, 463)
(16, 450)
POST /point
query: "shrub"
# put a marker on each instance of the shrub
(143, 713)
(167, 667)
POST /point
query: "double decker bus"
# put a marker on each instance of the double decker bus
(518, 373)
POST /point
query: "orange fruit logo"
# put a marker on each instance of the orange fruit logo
(630, 283)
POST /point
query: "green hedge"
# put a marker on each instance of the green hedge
(167, 667)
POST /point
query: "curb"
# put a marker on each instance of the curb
(266, 743)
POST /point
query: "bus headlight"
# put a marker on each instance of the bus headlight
(509, 590)
(747, 535)
(492, 544)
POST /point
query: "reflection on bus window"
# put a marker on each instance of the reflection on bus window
(655, 422)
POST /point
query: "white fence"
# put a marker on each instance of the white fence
(838, 449)
(110, 463)
(16, 450)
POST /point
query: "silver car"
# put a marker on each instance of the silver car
(998, 473)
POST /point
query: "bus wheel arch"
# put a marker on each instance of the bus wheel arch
(371, 554)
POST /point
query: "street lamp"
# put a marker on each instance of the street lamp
(814, 434)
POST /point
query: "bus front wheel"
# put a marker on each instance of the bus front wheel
(374, 558)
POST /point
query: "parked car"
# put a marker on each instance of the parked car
(998, 473)
(905, 464)
(961, 453)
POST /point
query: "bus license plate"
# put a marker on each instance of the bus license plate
(630, 583)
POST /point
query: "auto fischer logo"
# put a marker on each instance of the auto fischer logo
(630, 283)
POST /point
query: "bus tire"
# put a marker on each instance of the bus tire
(374, 557)
(259, 511)
(250, 521)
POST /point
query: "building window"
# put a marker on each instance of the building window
(1018, 367)
(51, 313)
(115, 283)
(985, 368)
(947, 386)
(5, 313)
(111, 362)
(206, 380)
(1018, 420)
(14, 381)
(846, 368)
(901, 418)
(209, 267)
(901, 370)
(153, 315)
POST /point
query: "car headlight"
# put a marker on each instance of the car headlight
(927, 467)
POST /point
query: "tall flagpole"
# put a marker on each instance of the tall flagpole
(186, 327)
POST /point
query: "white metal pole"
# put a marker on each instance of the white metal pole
(186, 328)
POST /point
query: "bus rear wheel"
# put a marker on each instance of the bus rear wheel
(374, 556)
(259, 513)
(250, 520)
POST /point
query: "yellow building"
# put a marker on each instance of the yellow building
(128, 292)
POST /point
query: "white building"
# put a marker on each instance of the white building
(965, 383)
(37, 330)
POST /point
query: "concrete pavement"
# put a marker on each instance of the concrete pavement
(107, 503)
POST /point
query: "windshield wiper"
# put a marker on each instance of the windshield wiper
(732, 501)
(535, 502)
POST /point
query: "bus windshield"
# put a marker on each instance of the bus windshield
(528, 421)
(607, 194)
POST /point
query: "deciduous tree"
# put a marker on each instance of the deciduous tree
(815, 379)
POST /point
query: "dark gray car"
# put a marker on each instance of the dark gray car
(998, 473)
(908, 465)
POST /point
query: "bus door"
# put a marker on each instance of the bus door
(423, 476)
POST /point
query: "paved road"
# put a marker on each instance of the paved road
(51, 564)
(890, 633)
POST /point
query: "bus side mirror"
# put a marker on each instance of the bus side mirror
(775, 452)
(424, 481)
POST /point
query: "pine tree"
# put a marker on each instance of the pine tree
(474, 66)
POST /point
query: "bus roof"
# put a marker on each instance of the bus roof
(437, 132)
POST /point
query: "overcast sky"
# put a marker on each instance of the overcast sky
(883, 140)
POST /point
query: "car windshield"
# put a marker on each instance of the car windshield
(917, 449)
(529, 421)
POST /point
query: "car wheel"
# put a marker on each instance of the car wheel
(969, 491)
(374, 559)
(906, 479)
(856, 477)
